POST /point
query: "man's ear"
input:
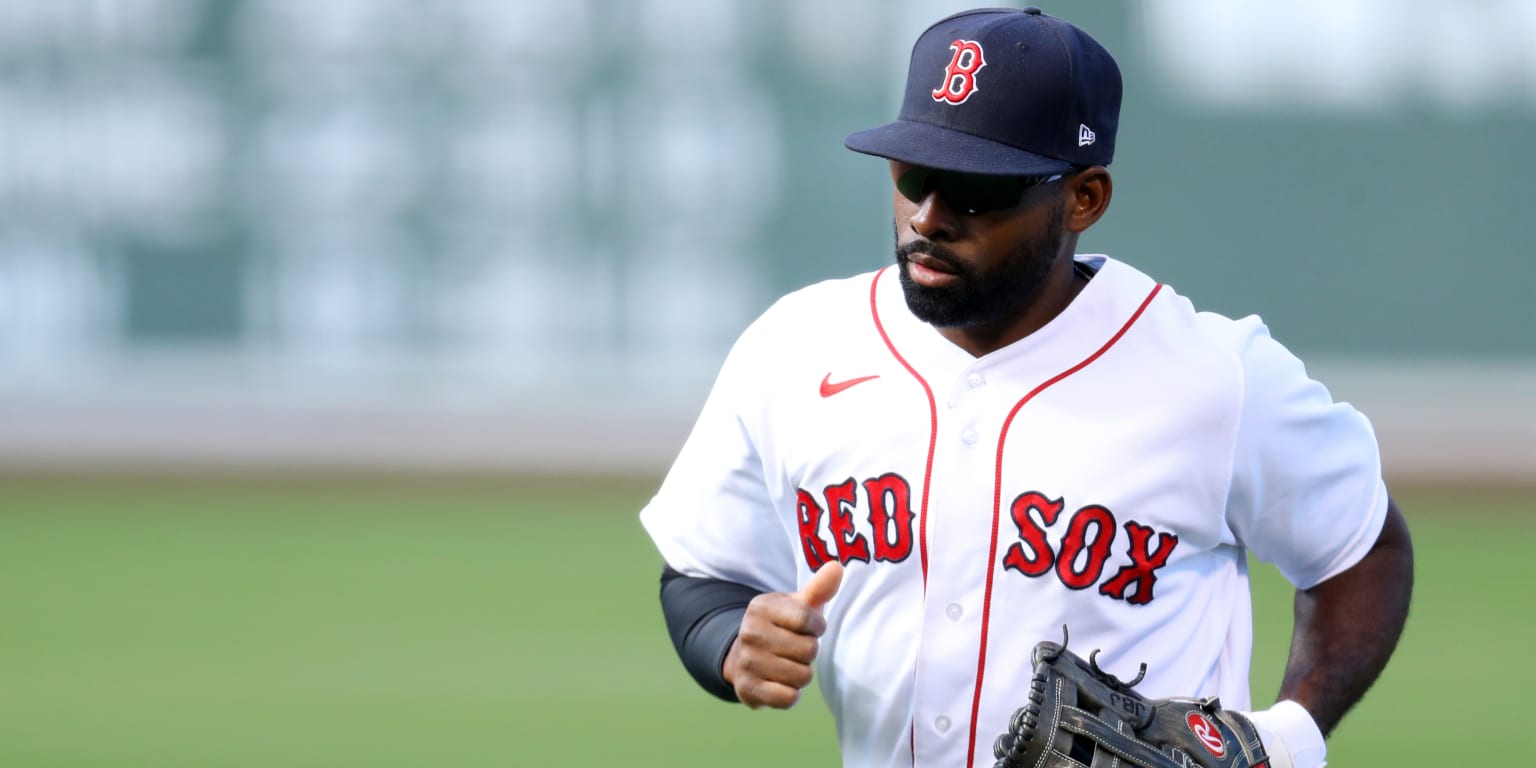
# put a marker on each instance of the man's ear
(1088, 193)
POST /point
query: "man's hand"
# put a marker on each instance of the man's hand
(771, 659)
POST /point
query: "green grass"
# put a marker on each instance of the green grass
(364, 622)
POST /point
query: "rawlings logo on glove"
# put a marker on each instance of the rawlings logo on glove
(1079, 715)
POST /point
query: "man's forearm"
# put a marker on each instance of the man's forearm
(1347, 627)
(702, 617)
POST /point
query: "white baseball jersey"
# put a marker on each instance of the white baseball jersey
(1107, 472)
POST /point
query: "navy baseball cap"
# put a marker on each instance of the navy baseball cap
(1003, 91)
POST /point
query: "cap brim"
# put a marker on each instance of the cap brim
(950, 150)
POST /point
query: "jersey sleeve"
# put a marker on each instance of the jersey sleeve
(1307, 493)
(714, 514)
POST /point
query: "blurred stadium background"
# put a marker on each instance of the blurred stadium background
(330, 331)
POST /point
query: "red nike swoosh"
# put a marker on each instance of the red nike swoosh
(829, 389)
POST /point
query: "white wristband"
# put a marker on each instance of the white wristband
(1290, 736)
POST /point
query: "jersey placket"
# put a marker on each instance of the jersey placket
(958, 534)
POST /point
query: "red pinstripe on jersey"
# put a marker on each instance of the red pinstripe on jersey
(933, 439)
(997, 506)
(933, 427)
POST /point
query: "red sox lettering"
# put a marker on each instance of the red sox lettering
(889, 501)
(1079, 561)
(1085, 548)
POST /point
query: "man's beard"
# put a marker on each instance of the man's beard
(983, 295)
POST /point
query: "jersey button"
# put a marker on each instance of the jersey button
(976, 380)
(954, 611)
(970, 437)
(941, 724)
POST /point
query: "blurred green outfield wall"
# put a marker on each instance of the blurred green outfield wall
(502, 202)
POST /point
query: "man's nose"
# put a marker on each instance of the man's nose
(933, 218)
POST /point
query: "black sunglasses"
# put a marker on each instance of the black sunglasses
(969, 193)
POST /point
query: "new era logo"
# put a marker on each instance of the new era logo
(1085, 136)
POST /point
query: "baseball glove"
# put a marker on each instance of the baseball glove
(1079, 715)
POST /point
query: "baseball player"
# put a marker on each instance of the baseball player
(906, 479)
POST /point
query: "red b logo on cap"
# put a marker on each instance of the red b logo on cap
(960, 75)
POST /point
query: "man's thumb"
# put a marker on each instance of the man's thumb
(823, 585)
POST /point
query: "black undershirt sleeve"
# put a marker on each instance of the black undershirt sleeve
(703, 617)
